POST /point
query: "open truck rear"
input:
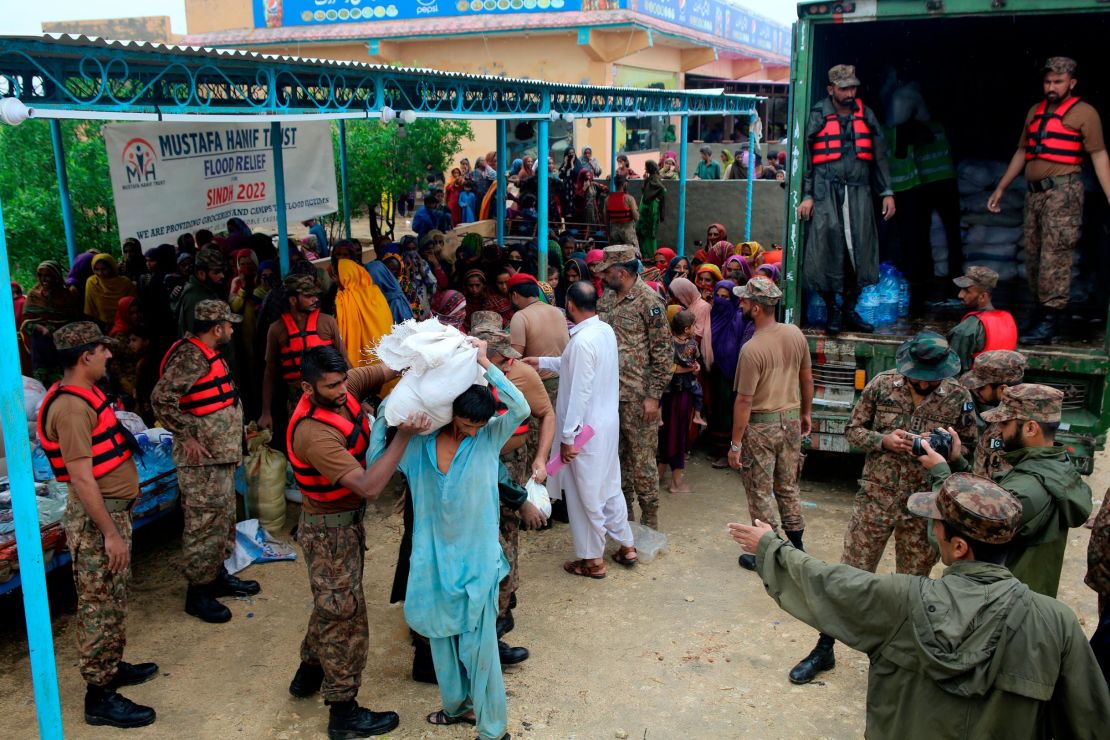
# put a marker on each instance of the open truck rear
(978, 64)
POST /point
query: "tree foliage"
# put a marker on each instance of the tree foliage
(29, 191)
(383, 167)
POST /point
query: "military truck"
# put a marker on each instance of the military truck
(978, 65)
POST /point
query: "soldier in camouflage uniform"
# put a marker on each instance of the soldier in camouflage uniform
(639, 320)
(522, 459)
(97, 521)
(1098, 578)
(916, 398)
(992, 373)
(772, 412)
(1057, 131)
(984, 327)
(197, 400)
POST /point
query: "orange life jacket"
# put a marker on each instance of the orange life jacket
(112, 445)
(357, 434)
(617, 208)
(212, 391)
(502, 409)
(1001, 330)
(298, 342)
(831, 140)
(1049, 139)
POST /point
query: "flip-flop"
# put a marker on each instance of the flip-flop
(581, 568)
(441, 718)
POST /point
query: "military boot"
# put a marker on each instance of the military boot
(103, 706)
(200, 603)
(349, 720)
(747, 562)
(820, 659)
(1046, 331)
(506, 623)
(130, 675)
(511, 655)
(228, 585)
(857, 322)
(836, 314)
(307, 680)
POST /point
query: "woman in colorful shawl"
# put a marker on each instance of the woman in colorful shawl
(104, 289)
(730, 330)
(652, 206)
(771, 271)
(361, 310)
(50, 305)
(474, 290)
(574, 270)
(466, 258)
(737, 269)
(387, 283)
(752, 252)
(678, 267)
(452, 191)
(717, 245)
(449, 306)
(243, 260)
(79, 273)
(586, 207)
(687, 294)
(668, 168)
(238, 234)
(705, 276)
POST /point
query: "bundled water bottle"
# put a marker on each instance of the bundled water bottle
(903, 296)
(40, 465)
(868, 304)
(889, 293)
(817, 314)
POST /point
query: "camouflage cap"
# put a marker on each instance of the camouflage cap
(210, 258)
(975, 506)
(79, 334)
(301, 285)
(617, 254)
(1060, 65)
(212, 310)
(843, 75)
(760, 289)
(927, 357)
(980, 277)
(1031, 401)
(487, 326)
(999, 366)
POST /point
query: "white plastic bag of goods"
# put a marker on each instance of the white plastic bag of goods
(537, 496)
(649, 543)
(202, 174)
(438, 362)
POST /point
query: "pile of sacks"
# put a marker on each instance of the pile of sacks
(991, 240)
(438, 363)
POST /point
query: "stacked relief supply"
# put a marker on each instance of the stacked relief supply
(992, 240)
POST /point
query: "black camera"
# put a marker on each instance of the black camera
(939, 440)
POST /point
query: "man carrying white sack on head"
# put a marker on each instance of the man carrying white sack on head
(588, 395)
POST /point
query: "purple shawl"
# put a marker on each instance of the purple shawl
(730, 330)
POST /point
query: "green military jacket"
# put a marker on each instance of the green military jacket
(974, 654)
(967, 338)
(1054, 498)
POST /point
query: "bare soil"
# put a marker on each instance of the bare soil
(688, 646)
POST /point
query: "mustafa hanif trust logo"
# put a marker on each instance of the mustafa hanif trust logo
(139, 160)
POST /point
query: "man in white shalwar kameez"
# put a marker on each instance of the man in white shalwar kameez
(589, 391)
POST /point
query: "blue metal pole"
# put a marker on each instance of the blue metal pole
(612, 155)
(63, 187)
(343, 177)
(279, 197)
(683, 135)
(502, 183)
(541, 195)
(36, 606)
(751, 179)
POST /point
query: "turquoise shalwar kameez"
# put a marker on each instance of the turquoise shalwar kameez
(457, 562)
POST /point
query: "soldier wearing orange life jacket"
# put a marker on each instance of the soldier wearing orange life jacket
(847, 168)
(1056, 134)
(301, 327)
(984, 328)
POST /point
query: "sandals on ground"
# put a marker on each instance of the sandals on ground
(440, 718)
(625, 556)
(582, 568)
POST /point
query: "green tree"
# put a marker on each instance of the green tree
(383, 167)
(29, 190)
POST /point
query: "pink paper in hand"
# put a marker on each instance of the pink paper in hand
(580, 441)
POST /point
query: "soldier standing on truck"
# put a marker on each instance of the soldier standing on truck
(983, 328)
(847, 166)
(896, 407)
(1050, 153)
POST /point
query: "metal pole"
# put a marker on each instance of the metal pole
(613, 155)
(279, 197)
(63, 187)
(36, 606)
(683, 135)
(502, 183)
(541, 191)
(343, 176)
(751, 179)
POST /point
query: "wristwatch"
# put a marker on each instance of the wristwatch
(734, 447)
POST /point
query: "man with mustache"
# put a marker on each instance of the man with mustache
(896, 406)
(1058, 130)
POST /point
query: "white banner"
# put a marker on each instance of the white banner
(169, 178)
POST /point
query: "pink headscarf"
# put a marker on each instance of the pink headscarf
(690, 297)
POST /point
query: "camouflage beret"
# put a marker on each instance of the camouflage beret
(212, 310)
(487, 326)
(618, 254)
(843, 75)
(301, 285)
(980, 277)
(1032, 401)
(760, 289)
(80, 334)
(975, 506)
(210, 258)
(1060, 65)
(999, 366)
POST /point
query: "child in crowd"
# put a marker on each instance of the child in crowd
(681, 400)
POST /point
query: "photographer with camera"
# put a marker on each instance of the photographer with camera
(894, 409)
(1053, 496)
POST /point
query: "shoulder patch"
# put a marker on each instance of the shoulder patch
(655, 311)
(969, 405)
(995, 443)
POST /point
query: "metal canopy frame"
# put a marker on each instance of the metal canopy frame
(65, 76)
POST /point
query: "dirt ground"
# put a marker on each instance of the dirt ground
(688, 646)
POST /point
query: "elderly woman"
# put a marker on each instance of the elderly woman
(49, 305)
(104, 289)
(668, 166)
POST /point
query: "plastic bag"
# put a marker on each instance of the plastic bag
(254, 545)
(264, 469)
(537, 496)
(649, 543)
